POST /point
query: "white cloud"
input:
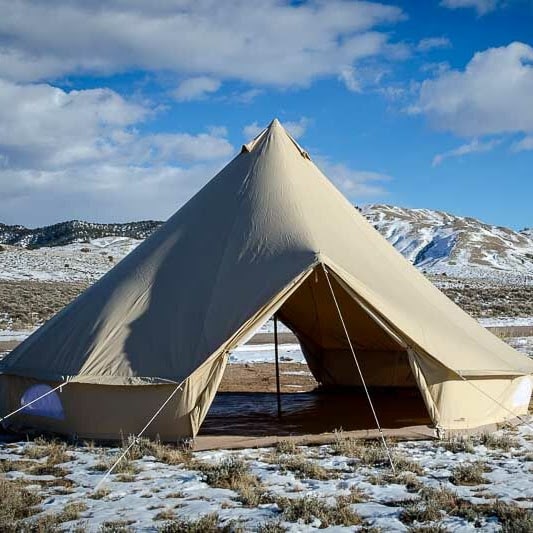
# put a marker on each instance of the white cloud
(475, 146)
(481, 6)
(196, 88)
(296, 128)
(46, 126)
(272, 42)
(103, 192)
(350, 80)
(492, 95)
(79, 154)
(524, 144)
(245, 97)
(355, 183)
(251, 131)
(433, 42)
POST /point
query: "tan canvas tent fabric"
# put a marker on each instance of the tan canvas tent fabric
(257, 239)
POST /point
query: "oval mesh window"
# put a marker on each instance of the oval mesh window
(49, 406)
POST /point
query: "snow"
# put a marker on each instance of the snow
(65, 263)
(522, 344)
(183, 490)
(7, 335)
(462, 247)
(264, 353)
(503, 321)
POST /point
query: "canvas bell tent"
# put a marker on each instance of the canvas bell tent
(150, 340)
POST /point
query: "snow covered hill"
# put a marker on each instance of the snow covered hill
(436, 242)
(441, 243)
(79, 261)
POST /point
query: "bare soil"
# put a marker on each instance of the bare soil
(261, 377)
(24, 304)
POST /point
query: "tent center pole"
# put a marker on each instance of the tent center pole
(278, 386)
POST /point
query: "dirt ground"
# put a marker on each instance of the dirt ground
(261, 377)
(24, 304)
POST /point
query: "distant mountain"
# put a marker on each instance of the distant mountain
(73, 231)
(434, 241)
(439, 242)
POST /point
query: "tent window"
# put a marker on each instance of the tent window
(50, 406)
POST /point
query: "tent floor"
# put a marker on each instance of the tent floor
(249, 419)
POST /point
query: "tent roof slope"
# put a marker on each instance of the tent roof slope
(245, 236)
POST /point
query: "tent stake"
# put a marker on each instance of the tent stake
(278, 387)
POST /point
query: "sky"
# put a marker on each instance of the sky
(121, 110)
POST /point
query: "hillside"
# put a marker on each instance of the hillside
(436, 242)
(440, 243)
(73, 231)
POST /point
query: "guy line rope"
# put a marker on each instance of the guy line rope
(522, 419)
(135, 440)
(360, 372)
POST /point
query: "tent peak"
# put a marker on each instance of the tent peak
(274, 129)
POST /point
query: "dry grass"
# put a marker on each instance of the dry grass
(499, 442)
(54, 451)
(435, 503)
(205, 524)
(309, 509)
(459, 444)
(287, 446)
(51, 522)
(513, 519)
(28, 303)
(434, 528)
(468, 474)
(166, 453)
(368, 452)
(411, 482)
(99, 494)
(16, 503)
(72, 511)
(165, 514)
(272, 526)
(355, 495)
(34, 468)
(117, 526)
(125, 470)
(431, 506)
(404, 465)
(305, 468)
(492, 299)
(125, 467)
(234, 474)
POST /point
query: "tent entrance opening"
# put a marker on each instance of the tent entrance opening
(320, 386)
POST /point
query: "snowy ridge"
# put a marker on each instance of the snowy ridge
(441, 243)
(73, 231)
(435, 242)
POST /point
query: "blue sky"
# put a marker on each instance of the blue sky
(113, 111)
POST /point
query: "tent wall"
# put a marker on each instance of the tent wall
(109, 412)
(454, 403)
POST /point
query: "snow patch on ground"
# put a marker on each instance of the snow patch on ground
(503, 321)
(264, 353)
(182, 490)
